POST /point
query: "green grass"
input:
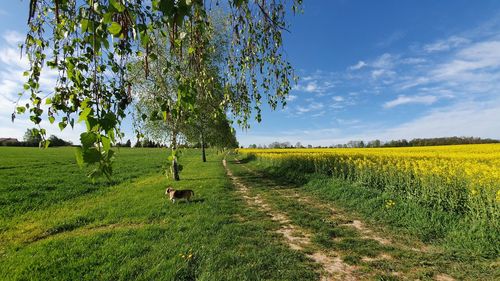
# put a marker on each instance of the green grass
(407, 222)
(58, 225)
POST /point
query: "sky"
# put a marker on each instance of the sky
(367, 70)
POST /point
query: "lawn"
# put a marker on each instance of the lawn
(58, 225)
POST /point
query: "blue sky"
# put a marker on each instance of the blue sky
(368, 70)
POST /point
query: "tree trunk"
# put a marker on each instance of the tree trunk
(175, 167)
(204, 157)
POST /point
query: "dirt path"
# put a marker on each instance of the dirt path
(360, 226)
(301, 239)
(297, 238)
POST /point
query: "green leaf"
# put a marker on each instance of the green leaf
(118, 6)
(115, 28)
(108, 121)
(238, 3)
(91, 156)
(21, 109)
(84, 114)
(79, 156)
(62, 125)
(84, 24)
(46, 143)
(110, 154)
(106, 143)
(167, 7)
(51, 119)
(88, 139)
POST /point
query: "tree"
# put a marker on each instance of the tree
(128, 143)
(90, 44)
(32, 138)
(55, 141)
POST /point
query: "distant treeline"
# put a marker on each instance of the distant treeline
(439, 141)
(34, 142)
(392, 143)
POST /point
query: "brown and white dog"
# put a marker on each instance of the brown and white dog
(179, 194)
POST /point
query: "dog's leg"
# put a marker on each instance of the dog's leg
(173, 200)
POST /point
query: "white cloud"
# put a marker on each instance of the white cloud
(445, 45)
(462, 119)
(11, 84)
(291, 97)
(338, 98)
(413, 61)
(402, 99)
(359, 65)
(377, 73)
(384, 61)
(314, 106)
(342, 121)
(479, 56)
(13, 37)
(318, 83)
(311, 87)
(314, 86)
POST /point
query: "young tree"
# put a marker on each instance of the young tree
(90, 43)
(31, 137)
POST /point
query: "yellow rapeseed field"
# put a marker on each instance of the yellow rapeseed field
(458, 178)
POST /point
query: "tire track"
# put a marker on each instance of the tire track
(296, 237)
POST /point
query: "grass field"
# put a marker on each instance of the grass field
(57, 225)
(251, 221)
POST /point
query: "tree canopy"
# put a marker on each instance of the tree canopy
(91, 45)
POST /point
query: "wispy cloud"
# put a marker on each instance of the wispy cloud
(13, 37)
(314, 106)
(446, 44)
(391, 39)
(291, 97)
(402, 99)
(385, 61)
(358, 65)
(471, 61)
(338, 98)
(314, 86)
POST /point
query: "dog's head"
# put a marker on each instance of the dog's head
(169, 189)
